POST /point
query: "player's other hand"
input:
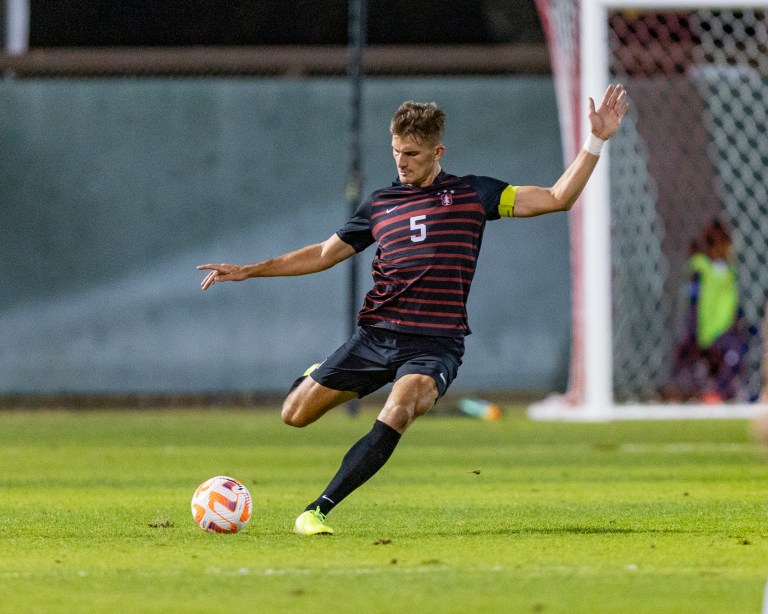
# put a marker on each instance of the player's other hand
(221, 272)
(606, 119)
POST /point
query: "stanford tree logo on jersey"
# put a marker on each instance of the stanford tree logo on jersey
(446, 197)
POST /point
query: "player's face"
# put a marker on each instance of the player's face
(417, 163)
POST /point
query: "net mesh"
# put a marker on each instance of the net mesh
(693, 147)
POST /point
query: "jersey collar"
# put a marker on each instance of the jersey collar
(439, 178)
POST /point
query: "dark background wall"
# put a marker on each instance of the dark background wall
(112, 191)
(60, 23)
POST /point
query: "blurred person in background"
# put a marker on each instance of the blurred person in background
(709, 358)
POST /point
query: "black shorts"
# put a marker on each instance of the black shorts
(374, 357)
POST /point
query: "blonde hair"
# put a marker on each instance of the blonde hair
(424, 122)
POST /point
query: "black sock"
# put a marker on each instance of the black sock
(359, 465)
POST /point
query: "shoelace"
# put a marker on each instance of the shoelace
(318, 514)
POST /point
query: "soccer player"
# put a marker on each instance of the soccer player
(428, 227)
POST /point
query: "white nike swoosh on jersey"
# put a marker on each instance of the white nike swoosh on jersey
(392, 209)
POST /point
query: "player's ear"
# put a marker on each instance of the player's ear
(439, 151)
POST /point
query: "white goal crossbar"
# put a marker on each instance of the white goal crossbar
(595, 399)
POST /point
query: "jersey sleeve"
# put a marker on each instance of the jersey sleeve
(498, 197)
(357, 231)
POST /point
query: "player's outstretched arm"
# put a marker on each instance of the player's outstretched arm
(604, 122)
(309, 259)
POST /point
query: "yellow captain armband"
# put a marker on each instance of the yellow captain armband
(507, 201)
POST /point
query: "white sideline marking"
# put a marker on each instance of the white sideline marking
(361, 571)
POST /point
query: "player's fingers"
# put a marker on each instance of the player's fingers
(615, 96)
(608, 95)
(620, 107)
(209, 280)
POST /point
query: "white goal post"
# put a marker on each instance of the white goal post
(17, 14)
(606, 321)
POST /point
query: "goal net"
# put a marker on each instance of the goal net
(692, 148)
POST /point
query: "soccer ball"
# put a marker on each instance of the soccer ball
(222, 505)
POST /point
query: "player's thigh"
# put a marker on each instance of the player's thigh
(438, 358)
(310, 401)
(362, 364)
(412, 396)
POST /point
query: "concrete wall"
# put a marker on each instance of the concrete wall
(111, 191)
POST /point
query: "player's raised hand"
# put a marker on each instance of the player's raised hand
(606, 119)
(221, 272)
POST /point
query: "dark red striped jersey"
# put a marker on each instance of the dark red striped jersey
(428, 240)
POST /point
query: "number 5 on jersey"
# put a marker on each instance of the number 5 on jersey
(418, 228)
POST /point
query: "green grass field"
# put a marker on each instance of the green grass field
(468, 516)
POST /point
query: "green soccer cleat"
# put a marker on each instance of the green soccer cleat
(312, 522)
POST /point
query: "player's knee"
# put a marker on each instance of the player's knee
(400, 413)
(398, 417)
(291, 413)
